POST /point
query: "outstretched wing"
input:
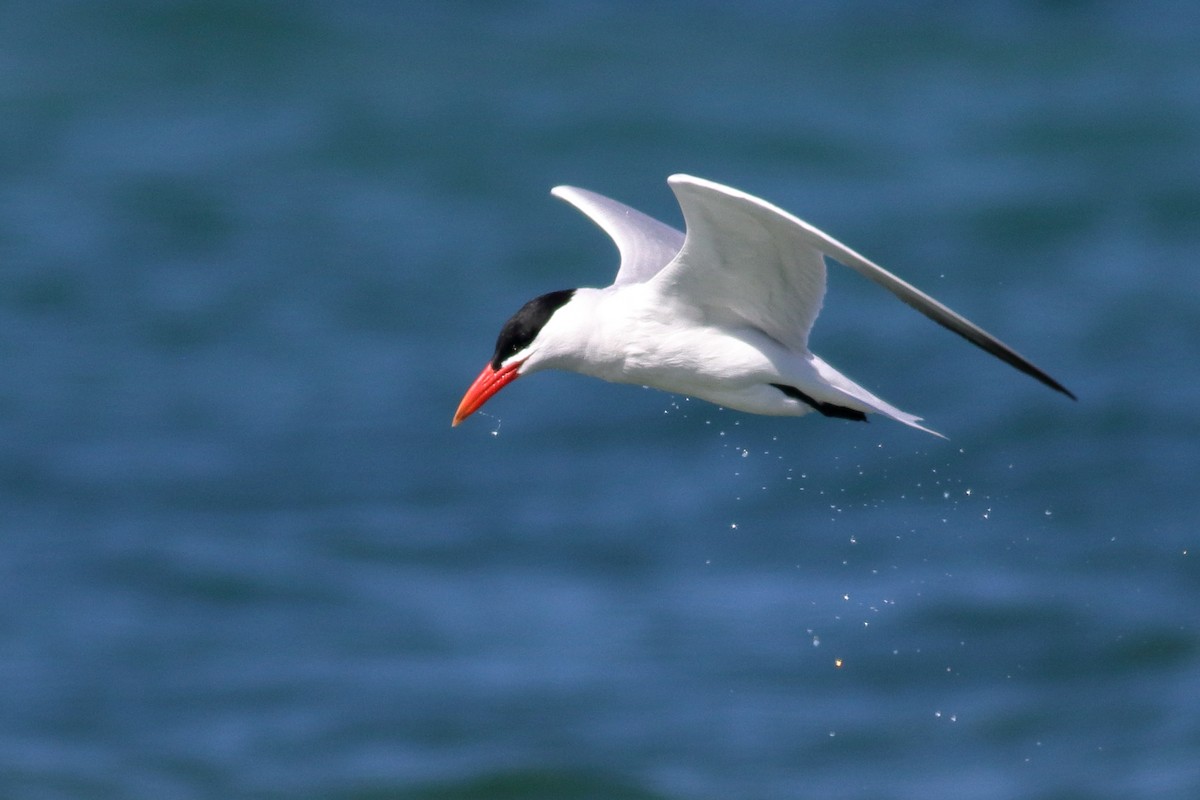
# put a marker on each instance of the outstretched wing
(646, 245)
(747, 259)
(745, 262)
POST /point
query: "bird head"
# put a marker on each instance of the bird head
(517, 351)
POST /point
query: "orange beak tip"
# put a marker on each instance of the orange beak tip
(487, 384)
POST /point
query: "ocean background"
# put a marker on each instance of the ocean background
(252, 253)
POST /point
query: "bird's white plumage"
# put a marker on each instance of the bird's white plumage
(745, 263)
(722, 201)
(722, 313)
(645, 244)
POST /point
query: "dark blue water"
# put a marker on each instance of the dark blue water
(252, 253)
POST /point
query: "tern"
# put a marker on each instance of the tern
(722, 313)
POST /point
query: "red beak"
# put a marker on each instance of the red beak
(487, 384)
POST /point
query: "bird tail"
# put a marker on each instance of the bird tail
(863, 399)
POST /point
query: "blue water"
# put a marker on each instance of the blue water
(252, 253)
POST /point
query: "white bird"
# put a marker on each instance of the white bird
(722, 314)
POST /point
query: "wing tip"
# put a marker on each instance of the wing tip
(1059, 387)
(1041, 377)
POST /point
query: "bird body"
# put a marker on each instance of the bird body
(722, 314)
(633, 334)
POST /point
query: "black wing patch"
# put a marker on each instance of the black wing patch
(828, 409)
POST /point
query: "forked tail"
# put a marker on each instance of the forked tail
(864, 399)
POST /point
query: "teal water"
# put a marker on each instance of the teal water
(251, 254)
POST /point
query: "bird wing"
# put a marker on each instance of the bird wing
(745, 262)
(646, 245)
(765, 266)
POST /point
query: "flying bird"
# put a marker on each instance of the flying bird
(722, 313)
